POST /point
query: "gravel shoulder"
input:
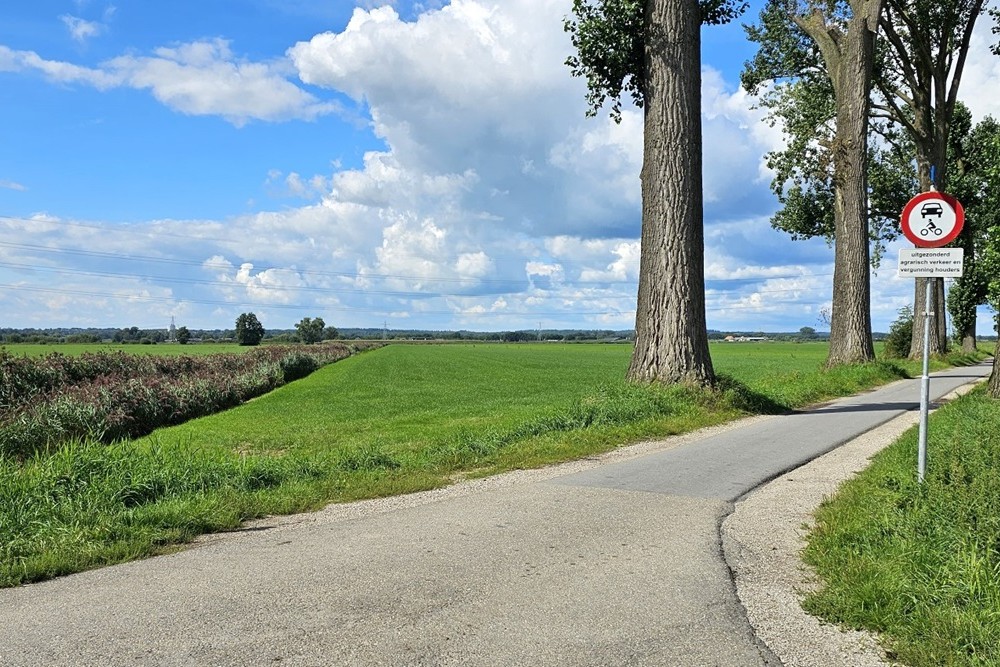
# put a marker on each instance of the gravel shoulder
(764, 537)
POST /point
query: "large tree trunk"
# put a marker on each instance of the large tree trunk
(849, 61)
(993, 388)
(671, 333)
(928, 154)
(939, 341)
(964, 297)
(968, 338)
(932, 151)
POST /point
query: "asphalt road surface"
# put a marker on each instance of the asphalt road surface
(618, 564)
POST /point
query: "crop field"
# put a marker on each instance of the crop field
(393, 420)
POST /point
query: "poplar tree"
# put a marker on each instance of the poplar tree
(821, 56)
(919, 61)
(651, 51)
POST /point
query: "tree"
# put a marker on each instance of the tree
(183, 335)
(897, 343)
(652, 51)
(310, 330)
(991, 267)
(925, 49)
(918, 68)
(331, 333)
(807, 333)
(249, 330)
(824, 54)
(974, 167)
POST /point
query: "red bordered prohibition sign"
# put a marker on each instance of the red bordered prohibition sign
(932, 219)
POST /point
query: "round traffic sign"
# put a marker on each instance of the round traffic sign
(932, 219)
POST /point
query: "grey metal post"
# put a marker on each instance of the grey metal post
(925, 387)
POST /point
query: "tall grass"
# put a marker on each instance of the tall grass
(108, 396)
(921, 563)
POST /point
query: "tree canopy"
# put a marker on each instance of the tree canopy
(813, 73)
(974, 165)
(310, 330)
(609, 37)
(919, 61)
(249, 330)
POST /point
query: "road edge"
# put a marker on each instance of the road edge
(762, 541)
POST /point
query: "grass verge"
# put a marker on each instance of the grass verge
(920, 564)
(396, 420)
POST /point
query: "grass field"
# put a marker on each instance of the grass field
(394, 420)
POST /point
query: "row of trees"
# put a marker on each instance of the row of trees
(828, 71)
(249, 330)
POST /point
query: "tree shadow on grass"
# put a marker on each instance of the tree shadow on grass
(738, 395)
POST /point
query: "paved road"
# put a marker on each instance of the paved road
(620, 564)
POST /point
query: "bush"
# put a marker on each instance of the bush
(113, 396)
(297, 365)
(897, 343)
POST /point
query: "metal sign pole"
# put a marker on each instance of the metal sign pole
(925, 386)
(931, 220)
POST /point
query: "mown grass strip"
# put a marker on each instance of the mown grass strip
(399, 419)
(920, 564)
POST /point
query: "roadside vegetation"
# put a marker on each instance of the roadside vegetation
(106, 397)
(76, 349)
(920, 564)
(395, 420)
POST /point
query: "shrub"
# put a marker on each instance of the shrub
(113, 396)
(297, 365)
(897, 343)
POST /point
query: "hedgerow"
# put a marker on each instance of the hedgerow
(108, 396)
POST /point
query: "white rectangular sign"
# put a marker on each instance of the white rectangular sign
(930, 262)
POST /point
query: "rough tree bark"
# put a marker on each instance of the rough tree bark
(671, 332)
(849, 62)
(939, 333)
(994, 385)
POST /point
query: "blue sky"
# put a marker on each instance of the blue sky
(419, 164)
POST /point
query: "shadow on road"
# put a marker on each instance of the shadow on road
(870, 407)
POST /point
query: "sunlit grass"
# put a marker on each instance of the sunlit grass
(921, 563)
(395, 420)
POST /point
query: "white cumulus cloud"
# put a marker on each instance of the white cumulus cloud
(196, 78)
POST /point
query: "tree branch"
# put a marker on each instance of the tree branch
(963, 52)
(900, 51)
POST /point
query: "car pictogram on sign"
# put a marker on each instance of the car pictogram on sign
(932, 219)
(931, 208)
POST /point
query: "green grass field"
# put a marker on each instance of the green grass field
(393, 420)
(919, 564)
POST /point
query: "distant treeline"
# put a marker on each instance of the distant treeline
(154, 336)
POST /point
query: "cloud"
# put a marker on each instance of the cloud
(982, 71)
(295, 185)
(485, 99)
(202, 78)
(12, 185)
(496, 203)
(80, 29)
